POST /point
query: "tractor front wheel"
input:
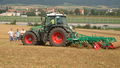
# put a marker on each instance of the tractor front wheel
(29, 38)
(58, 37)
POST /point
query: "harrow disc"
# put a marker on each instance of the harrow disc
(97, 45)
(111, 46)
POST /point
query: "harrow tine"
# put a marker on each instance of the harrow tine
(84, 44)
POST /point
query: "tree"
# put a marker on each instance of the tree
(87, 26)
(77, 11)
(63, 11)
(86, 11)
(42, 13)
(93, 12)
(2, 11)
(94, 27)
(71, 12)
(30, 14)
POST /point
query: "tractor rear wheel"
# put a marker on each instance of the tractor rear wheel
(29, 38)
(58, 37)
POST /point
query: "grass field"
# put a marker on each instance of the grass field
(71, 19)
(94, 20)
(118, 29)
(19, 19)
(15, 55)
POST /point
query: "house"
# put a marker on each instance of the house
(7, 14)
(11, 10)
(50, 10)
(82, 11)
(17, 12)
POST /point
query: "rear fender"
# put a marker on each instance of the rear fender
(59, 27)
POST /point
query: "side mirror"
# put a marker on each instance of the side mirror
(42, 20)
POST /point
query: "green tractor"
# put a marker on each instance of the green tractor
(57, 32)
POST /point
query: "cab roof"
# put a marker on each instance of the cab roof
(55, 14)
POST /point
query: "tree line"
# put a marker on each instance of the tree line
(77, 11)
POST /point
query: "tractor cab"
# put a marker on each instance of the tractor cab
(55, 19)
(54, 30)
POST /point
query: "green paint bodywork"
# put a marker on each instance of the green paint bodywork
(37, 27)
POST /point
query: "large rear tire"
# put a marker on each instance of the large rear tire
(29, 38)
(58, 37)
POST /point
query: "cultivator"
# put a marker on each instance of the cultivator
(95, 41)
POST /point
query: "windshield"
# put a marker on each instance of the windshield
(61, 20)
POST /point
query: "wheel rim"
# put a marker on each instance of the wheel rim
(29, 39)
(58, 37)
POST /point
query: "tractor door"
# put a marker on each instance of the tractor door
(49, 22)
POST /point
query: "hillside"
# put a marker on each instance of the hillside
(115, 3)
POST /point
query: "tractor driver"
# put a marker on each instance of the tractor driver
(52, 21)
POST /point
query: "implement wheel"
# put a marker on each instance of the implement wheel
(58, 37)
(29, 38)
